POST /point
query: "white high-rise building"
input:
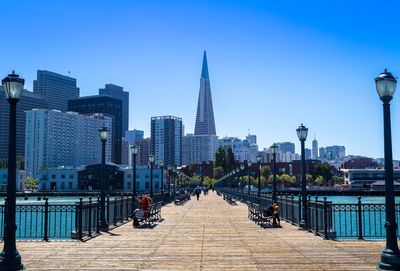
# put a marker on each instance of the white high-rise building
(54, 138)
(240, 148)
(198, 148)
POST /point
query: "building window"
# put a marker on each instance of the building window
(129, 185)
(43, 185)
(70, 186)
(147, 185)
(62, 185)
(63, 176)
(71, 176)
(129, 176)
(53, 176)
(157, 185)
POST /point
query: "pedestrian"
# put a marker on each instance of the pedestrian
(197, 191)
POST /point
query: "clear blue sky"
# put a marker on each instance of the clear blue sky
(272, 64)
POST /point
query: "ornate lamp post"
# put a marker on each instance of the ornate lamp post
(237, 176)
(302, 132)
(242, 181)
(10, 259)
(103, 137)
(274, 149)
(248, 176)
(134, 152)
(169, 180)
(151, 161)
(390, 256)
(162, 177)
(258, 157)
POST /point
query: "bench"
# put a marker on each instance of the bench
(229, 199)
(181, 199)
(257, 214)
(153, 214)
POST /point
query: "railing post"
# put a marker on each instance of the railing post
(292, 204)
(98, 215)
(115, 211)
(127, 206)
(90, 217)
(108, 209)
(46, 220)
(316, 215)
(299, 203)
(80, 215)
(359, 211)
(309, 223)
(326, 219)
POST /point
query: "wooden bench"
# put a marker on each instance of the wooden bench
(257, 214)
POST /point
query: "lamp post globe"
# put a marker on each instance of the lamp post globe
(248, 176)
(258, 158)
(242, 171)
(390, 256)
(151, 161)
(134, 152)
(302, 132)
(103, 131)
(10, 259)
(274, 150)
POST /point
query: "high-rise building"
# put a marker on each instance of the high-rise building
(335, 152)
(28, 101)
(166, 140)
(240, 148)
(108, 106)
(125, 152)
(54, 138)
(286, 147)
(314, 148)
(56, 89)
(134, 136)
(307, 153)
(118, 92)
(198, 148)
(142, 158)
(205, 124)
(322, 153)
(252, 139)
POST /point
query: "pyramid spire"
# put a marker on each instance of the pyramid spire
(204, 69)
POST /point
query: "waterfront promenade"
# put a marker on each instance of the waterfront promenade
(208, 234)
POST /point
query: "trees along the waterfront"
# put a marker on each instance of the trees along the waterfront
(220, 158)
(230, 159)
(31, 183)
(218, 172)
(322, 169)
(319, 180)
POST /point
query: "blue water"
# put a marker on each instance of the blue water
(353, 199)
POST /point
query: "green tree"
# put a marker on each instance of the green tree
(265, 171)
(322, 169)
(287, 179)
(209, 181)
(230, 160)
(218, 172)
(220, 158)
(319, 180)
(31, 183)
(309, 178)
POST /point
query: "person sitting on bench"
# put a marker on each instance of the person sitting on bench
(273, 210)
(145, 201)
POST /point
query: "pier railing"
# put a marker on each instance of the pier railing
(330, 220)
(44, 220)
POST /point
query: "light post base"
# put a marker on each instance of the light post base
(303, 224)
(390, 260)
(11, 261)
(104, 226)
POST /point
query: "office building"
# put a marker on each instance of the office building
(54, 138)
(28, 101)
(142, 158)
(314, 148)
(56, 89)
(205, 124)
(134, 136)
(286, 147)
(166, 140)
(240, 148)
(118, 92)
(125, 152)
(198, 148)
(108, 106)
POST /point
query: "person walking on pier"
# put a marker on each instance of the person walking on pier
(197, 191)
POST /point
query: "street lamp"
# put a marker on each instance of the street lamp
(134, 152)
(390, 256)
(169, 180)
(258, 157)
(162, 177)
(151, 161)
(302, 132)
(274, 149)
(103, 137)
(237, 176)
(242, 171)
(248, 173)
(10, 259)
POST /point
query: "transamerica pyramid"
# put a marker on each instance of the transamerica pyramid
(205, 124)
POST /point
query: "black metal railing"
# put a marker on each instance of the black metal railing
(327, 219)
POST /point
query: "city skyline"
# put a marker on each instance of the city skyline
(273, 65)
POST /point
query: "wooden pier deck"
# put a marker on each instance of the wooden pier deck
(208, 234)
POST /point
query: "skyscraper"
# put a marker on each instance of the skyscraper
(108, 106)
(28, 101)
(205, 124)
(134, 136)
(314, 148)
(198, 148)
(56, 89)
(166, 140)
(285, 147)
(118, 92)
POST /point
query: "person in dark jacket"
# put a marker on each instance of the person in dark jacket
(273, 210)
